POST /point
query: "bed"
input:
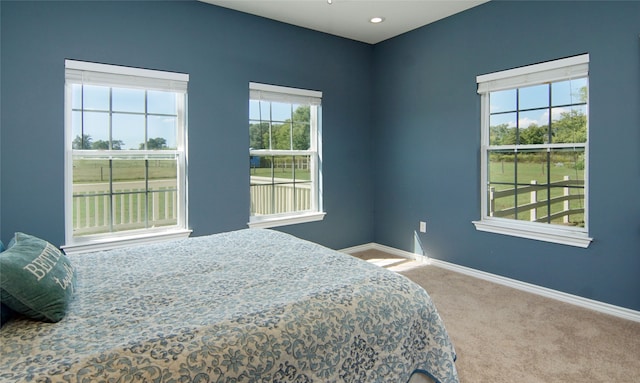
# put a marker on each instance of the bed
(252, 305)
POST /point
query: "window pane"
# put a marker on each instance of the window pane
(503, 101)
(533, 127)
(91, 214)
(129, 211)
(161, 132)
(533, 97)
(128, 130)
(254, 110)
(163, 175)
(76, 131)
(502, 167)
(161, 208)
(569, 125)
(280, 111)
(532, 167)
(302, 113)
(503, 129)
(501, 178)
(258, 135)
(264, 109)
(128, 100)
(128, 175)
(161, 102)
(568, 164)
(90, 176)
(569, 92)
(96, 129)
(281, 136)
(96, 97)
(301, 136)
(76, 96)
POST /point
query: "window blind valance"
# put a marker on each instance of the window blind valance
(81, 72)
(273, 93)
(557, 70)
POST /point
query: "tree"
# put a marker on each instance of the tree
(534, 134)
(571, 127)
(104, 145)
(259, 135)
(301, 128)
(502, 135)
(155, 144)
(82, 142)
(291, 134)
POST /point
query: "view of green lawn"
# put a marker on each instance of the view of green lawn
(125, 194)
(502, 177)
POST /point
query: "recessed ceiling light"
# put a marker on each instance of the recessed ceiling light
(376, 20)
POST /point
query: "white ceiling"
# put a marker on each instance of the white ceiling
(350, 18)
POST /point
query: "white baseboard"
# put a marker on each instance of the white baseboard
(386, 249)
(591, 304)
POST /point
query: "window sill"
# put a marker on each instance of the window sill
(122, 241)
(275, 221)
(547, 234)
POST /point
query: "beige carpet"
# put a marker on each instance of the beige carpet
(506, 335)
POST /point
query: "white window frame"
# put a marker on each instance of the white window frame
(88, 73)
(267, 92)
(547, 72)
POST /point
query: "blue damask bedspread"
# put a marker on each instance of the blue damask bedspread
(252, 305)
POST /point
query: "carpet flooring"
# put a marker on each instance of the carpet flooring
(507, 335)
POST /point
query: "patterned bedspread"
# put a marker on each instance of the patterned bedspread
(252, 305)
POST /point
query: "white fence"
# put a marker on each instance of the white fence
(96, 211)
(534, 204)
(268, 198)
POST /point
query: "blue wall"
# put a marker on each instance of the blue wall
(427, 136)
(401, 123)
(222, 51)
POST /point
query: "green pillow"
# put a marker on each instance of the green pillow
(36, 279)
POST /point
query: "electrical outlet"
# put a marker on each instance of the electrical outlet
(423, 227)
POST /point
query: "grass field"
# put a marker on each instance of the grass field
(502, 177)
(112, 195)
(301, 174)
(90, 171)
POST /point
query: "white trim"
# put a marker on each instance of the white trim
(81, 72)
(550, 71)
(124, 70)
(130, 240)
(265, 91)
(289, 219)
(605, 308)
(532, 231)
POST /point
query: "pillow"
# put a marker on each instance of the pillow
(36, 279)
(5, 314)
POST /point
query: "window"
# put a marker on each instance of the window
(534, 154)
(125, 155)
(285, 162)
